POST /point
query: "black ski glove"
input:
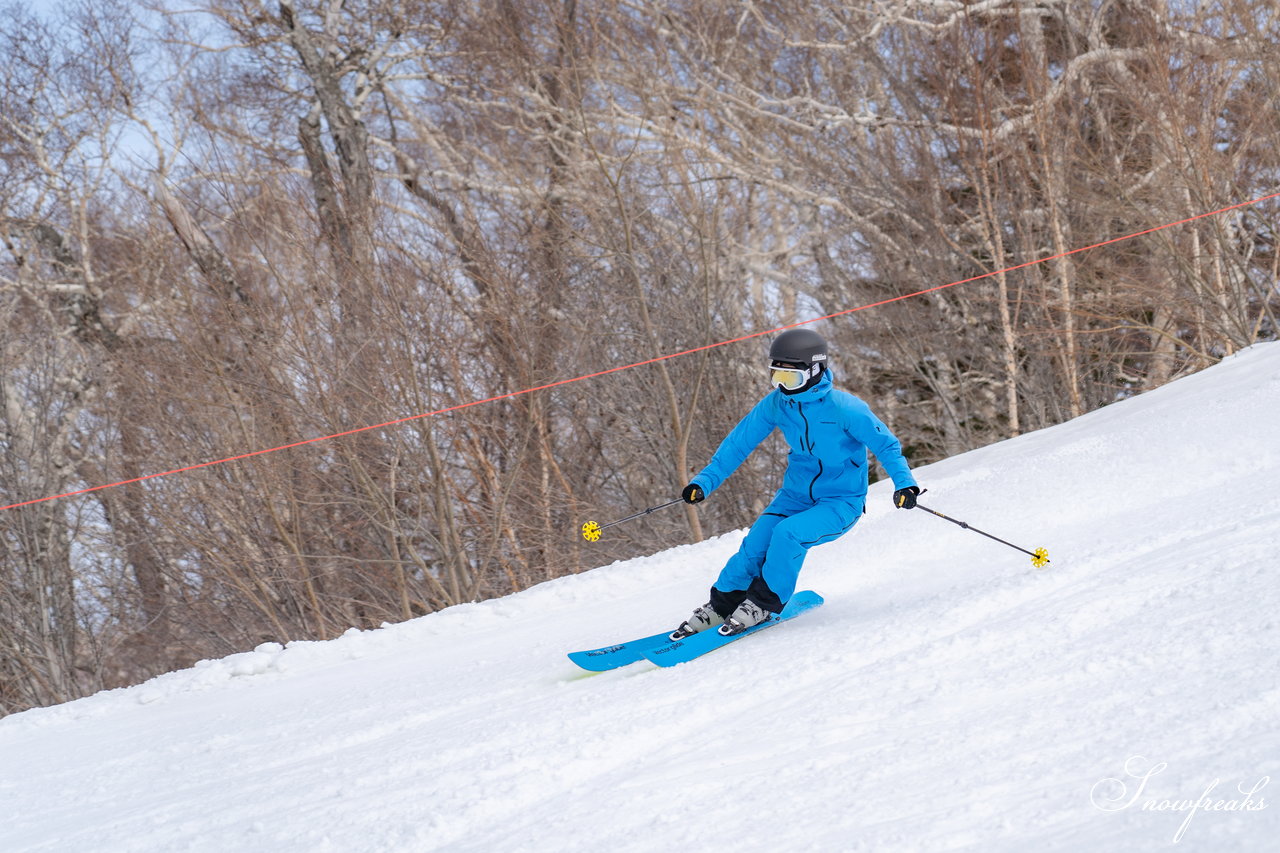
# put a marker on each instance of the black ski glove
(906, 498)
(693, 493)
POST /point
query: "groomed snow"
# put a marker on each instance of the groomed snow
(948, 696)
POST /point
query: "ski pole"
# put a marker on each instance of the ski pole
(591, 530)
(1039, 557)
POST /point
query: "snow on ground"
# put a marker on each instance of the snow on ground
(948, 696)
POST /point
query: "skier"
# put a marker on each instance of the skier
(823, 491)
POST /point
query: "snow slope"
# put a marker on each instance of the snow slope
(947, 697)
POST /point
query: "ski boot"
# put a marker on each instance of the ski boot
(703, 618)
(748, 615)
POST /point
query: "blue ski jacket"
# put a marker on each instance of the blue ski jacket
(829, 432)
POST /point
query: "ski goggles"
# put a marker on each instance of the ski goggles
(792, 378)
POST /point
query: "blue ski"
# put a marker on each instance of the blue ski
(680, 651)
(612, 657)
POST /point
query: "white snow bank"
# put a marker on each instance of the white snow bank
(947, 697)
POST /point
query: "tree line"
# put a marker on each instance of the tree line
(231, 225)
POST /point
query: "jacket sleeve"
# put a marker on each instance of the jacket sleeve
(737, 446)
(871, 431)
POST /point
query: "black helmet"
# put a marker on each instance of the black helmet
(798, 346)
(797, 360)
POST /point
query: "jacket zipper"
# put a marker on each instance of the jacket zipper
(809, 443)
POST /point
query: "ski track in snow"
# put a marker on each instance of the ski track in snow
(946, 697)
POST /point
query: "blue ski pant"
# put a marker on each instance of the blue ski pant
(768, 562)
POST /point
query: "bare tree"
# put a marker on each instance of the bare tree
(328, 215)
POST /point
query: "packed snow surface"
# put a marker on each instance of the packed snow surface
(948, 696)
